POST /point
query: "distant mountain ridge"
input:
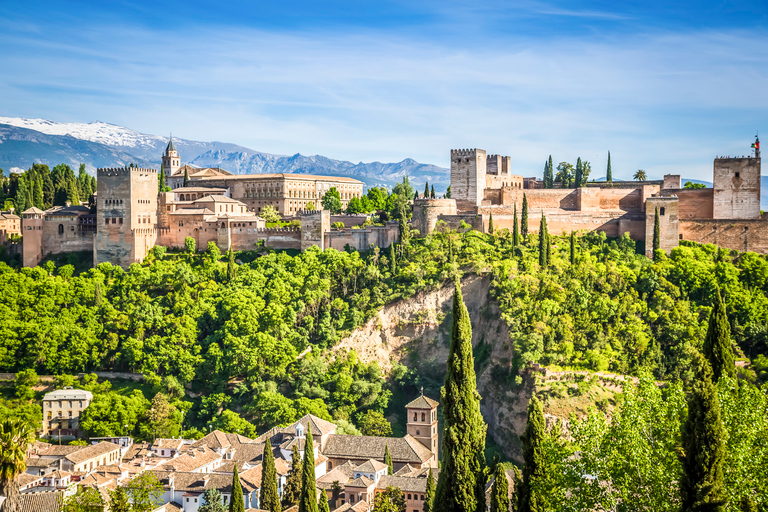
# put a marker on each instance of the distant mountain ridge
(98, 144)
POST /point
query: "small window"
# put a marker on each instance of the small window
(61, 229)
(737, 175)
(409, 496)
(662, 210)
(418, 432)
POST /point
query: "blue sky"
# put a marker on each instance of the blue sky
(665, 86)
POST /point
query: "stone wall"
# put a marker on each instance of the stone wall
(476, 221)
(468, 168)
(32, 240)
(427, 211)
(668, 223)
(672, 181)
(694, 203)
(363, 239)
(737, 188)
(314, 225)
(740, 235)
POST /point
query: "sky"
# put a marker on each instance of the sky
(664, 86)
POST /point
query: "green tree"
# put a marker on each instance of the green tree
(461, 483)
(186, 176)
(335, 493)
(565, 174)
(269, 499)
(717, 343)
(118, 501)
(307, 499)
(332, 201)
(161, 180)
(639, 175)
(524, 220)
(270, 214)
(145, 492)
(490, 223)
(85, 499)
(392, 260)
(499, 490)
(533, 459)
(573, 248)
(15, 436)
(448, 192)
(190, 245)
(579, 175)
(322, 503)
(429, 495)
(656, 235)
(694, 186)
(212, 501)
(373, 423)
(292, 490)
(236, 502)
(515, 230)
(25, 381)
(391, 499)
(310, 206)
(608, 172)
(547, 177)
(702, 449)
(388, 460)
(426, 189)
(432, 194)
(543, 241)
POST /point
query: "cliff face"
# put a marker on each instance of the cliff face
(416, 333)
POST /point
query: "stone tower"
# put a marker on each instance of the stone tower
(737, 187)
(126, 215)
(32, 236)
(422, 423)
(468, 168)
(171, 159)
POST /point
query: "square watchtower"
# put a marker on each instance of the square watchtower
(422, 423)
(737, 188)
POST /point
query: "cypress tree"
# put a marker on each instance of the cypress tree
(490, 223)
(551, 173)
(579, 173)
(392, 260)
(292, 489)
(533, 458)
(656, 235)
(161, 180)
(433, 192)
(186, 176)
(426, 189)
(388, 460)
(322, 503)
(545, 178)
(515, 230)
(268, 498)
(461, 483)
(703, 450)
(543, 241)
(429, 498)
(524, 220)
(717, 343)
(608, 173)
(549, 244)
(308, 497)
(499, 490)
(231, 267)
(236, 502)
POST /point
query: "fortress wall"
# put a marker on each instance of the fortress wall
(72, 239)
(475, 221)
(620, 199)
(363, 239)
(492, 196)
(427, 211)
(540, 198)
(668, 223)
(694, 203)
(614, 224)
(741, 235)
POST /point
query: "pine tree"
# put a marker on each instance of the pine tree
(656, 235)
(432, 195)
(231, 266)
(461, 483)
(269, 499)
(524, 220)
(702, 448)
(392, 260)
(609, 173)
(292, 489)
(308, 496)
(579, 173)
(499, 490)
(515, 230)
(118, 500)
(533, 458)
(426, 190)
(543, 235)
(236, 502)
(212, 502)
(490, 223)
(388, 460)
(717, 343)
(429, 498)
(322, 503)
(573, 248)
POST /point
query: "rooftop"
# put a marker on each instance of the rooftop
(291, 176)
(92, 451)
(422, 402)
(69, 393)
(402, 449)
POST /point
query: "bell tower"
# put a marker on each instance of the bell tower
(171, 159)
(422, 423)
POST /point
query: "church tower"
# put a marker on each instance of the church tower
(171, 159)
(422, 423)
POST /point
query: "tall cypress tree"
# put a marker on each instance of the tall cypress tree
(432, 195)
(609, 173)
(545, 178)
(515, 230)
(429, 494)
(551, 173)
(573, 248)
(322, 503)
(461, 483)
(490, 223)
(292, 489)
(161, 180)
(269, 499)
(499, 490)
(656, 235)
(236, 502)
(392, 260)
(717, 343)
(533, 459)
(579, 173)
(426, 189)
(186, 176)
(549, 244)
(308, 497)
(231, 267)
(388, 460)
(524, 220)
(703, 449)
(543, 241)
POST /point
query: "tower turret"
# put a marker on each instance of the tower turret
(171, 159)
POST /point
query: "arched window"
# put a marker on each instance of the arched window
(423, 417)
(61, 229)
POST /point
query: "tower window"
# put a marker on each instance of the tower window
(737, 175)
(662, 210)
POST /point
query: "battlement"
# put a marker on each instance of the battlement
(277, 230)
(743, 157)
(122, 171)
(465, 152)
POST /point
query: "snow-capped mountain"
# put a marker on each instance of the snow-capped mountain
(98, 144)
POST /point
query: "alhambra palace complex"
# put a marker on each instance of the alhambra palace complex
(216, 206)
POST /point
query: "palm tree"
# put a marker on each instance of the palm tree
(15, 436)
(639, 175)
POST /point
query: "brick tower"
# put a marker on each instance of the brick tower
(171, 159)
(422, 423)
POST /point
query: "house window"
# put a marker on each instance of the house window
(409, 496)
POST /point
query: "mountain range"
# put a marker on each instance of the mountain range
(98, 144)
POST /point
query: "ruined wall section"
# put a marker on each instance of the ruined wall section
(736, 188)
(668, 223)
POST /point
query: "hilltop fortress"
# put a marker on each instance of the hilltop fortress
(727, 215)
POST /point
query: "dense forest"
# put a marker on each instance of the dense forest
(43, 187)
